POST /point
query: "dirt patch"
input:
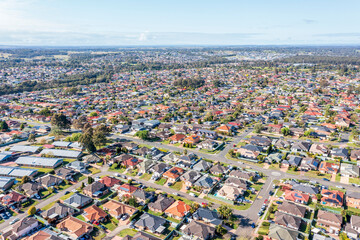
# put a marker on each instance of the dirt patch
(344, 179)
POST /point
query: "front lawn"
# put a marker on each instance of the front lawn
(177, 186)
(146, 176)
(125, 232)
(161, 181)
(94, 170)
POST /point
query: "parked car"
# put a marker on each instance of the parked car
(14, 221)
(325, 179)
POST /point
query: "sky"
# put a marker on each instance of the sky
(181, 22)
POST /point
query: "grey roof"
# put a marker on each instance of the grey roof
(205, 181)
(208, 215)
(202, 165)
(151, 222)
(39, 161)
(306, 188)
(16, 172)
(61, 144)
(4, 156)
(62, 153)
(23, 148)
(5, 180)
(352, 194)
(199, 230)
(77, 200)
(58, 209)
(162, 203)
(277, 232)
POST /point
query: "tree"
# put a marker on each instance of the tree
(82, 185)
(61, 121)
(221, 230)
(225, 212)
(285, 131)
(22, 126)
(193, 207)
(31, 138)
(25, 179)
(90, 180)
(258, 128)
(4, 126)
(31, 210)
(144, 135)
(93, 114)
(80, 122)
(87, 140)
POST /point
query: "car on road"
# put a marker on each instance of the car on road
(278, 202)
(266, 201)
(253, 225)
(14, 221)
(325, 179)
(66, 192)
(192, 194)
(341, 187)
(176, 194)
(271, 193)
(169, 184)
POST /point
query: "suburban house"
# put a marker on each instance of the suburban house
(287, 220)
(94, 213)
(330, 220)
(152, 223)
(249, 151)
(96, 189)
(193, 139)
(31, 189)
(352, 229)
(277, 232)
(161, 204)
(205, 182)
(117, 209)
(178, 209)
(230, 193)
(353, 199)
(217, 169)
(78, 200)
(58, 211)
(142, 196)
(292, 208)
(126, 190)
(74, 227)
(319, 149)
(308, 164)
(173, 174)
(202, 166)
(296, 197)
(341, 153)
(65, 173)
(50, 181)
(332, 198)
(208, 216)
(110, 181)
(140, 236)
(199, 230)
(190, 177)
(248, 176)
(349, 170)
(327, 167)
(21, 228)
(13, 199)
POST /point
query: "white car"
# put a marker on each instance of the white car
(14, 221)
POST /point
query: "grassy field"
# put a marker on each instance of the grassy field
(177, 186)
(235, 207)
(125, 232)
(94, 170)
(146, 176)
(161, 181)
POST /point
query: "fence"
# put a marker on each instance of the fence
(220, 199)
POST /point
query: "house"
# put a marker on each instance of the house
(277, 232)
(217, 169)
(190, 177)
(130, 146)
(319, 149)
(305, 188)
(13, 199)
(282, 143)
(352, 229)
(21, 228)
(159, 168)
(94, 213)
(206, 133)
(176, 138)
(300, 146)
(170, 158)
(126, 190)
(248, 176)
(31, 189)
(74, 227)
(145, 165)
(330, 220)
(308, 164)
(152, 223)
(42, 235)
(6, 182)
(193, 139)
(205, 182)
(236, 182)
(40, 162)
(198, 230)
(225, 129)
(208, 145)
(355, 155)
(202, 166)
(61, 153)
(248, 151)
(161, 204)
(229, 192)
(287, 220)
(78, 200)
(57, 211)
(139, 236)
(131, 163)
(332, 198)
(178, 209)
(173, 174)
(65, 173)
(327, 167)
(96, 189)
(261, 141)
(117, 209)
(297, 197)
(294, 160)
(78, 166)
(110, 181)
(208, 216)
(50, 181)
(341, 153)
(353, 199)
(349, 170)
(142, 196)
(292, 208)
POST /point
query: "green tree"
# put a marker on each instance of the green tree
(90, 180)
(25, 179)
(31, 210)
(258, 128)
(221, 230)
(285, 131)
(144, 135)
(31, 138)
(4, 126)
(61, 121)
(225, 212)
(87, 140)
(22, 126)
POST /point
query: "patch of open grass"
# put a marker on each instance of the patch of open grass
(146, 176)
(125, 232)
(94, 170)
(161, 181)
(177, 186)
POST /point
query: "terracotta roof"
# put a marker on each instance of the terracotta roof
(178, 208)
